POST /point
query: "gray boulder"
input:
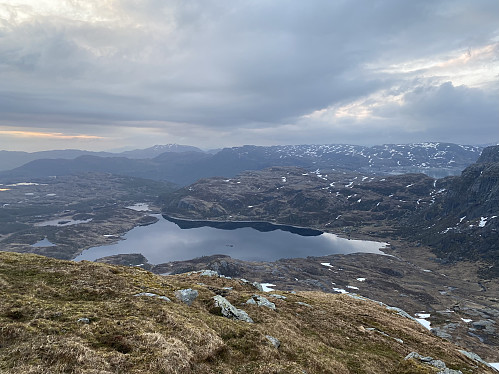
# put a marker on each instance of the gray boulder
(277, 296)
(275, 342)
(209, 273)
(149, 294)
(230, 311)
(187, 295)
(258, 286)
(433, 362)
(261, 301)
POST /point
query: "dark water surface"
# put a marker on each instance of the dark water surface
(166, 241)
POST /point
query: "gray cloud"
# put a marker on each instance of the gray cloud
(249, 69)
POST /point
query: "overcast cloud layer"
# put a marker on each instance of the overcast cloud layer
(105, 74)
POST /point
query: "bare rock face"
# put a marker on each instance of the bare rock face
(489, 154)
(463, 221)
(230, 311)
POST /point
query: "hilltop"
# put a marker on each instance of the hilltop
(66, 317)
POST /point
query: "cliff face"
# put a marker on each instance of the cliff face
(489, 155)
(65, 317)
(463, 222)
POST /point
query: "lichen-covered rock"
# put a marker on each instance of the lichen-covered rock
(150, 294)
(187, 295)
(261, 301)
(439, 364)
(230, 311)
(208, 273)
(277, 296)
(258, 286)
(275, 342)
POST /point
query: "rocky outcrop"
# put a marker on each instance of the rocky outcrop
(439, 364)
(230, 311)
(261, 301)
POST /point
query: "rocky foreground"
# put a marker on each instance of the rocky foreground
(65, 317)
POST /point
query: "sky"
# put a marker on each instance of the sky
(111, 74)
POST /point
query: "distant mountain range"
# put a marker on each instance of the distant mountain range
(13, 159)
(184, 164)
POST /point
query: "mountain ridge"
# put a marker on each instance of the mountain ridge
(434, 159)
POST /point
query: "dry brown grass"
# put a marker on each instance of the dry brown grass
(42, 300)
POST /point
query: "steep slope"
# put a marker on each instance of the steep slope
(66, 317)
(464, 220)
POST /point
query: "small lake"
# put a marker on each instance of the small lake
(166, 241)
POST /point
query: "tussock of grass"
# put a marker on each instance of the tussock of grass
(42, 300)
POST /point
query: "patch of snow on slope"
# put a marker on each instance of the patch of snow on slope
(339, 290)
(495, 365)
(139, 207)
(267, 287)
(421, 318)
(483, 221)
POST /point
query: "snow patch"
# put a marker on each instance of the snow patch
(23, 184)
(495, 365)
(267, 287)
(139, 207)
(421, 318)
(339, 290)
(483, 221)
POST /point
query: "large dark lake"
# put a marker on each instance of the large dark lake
(166, 241)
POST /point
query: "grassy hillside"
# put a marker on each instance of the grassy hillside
(65, 317)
